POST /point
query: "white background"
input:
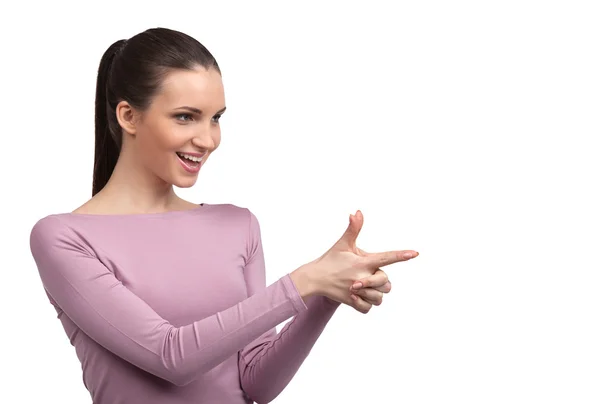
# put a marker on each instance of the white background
(464, 130)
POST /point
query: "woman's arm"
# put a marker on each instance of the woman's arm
(270, 362)
(103, 308)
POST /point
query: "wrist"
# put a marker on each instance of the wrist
(330, 301)
(306, 282)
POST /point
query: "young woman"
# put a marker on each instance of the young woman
(164, 300)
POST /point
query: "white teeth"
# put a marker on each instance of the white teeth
(192, 158)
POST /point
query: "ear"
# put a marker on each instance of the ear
(127, 117)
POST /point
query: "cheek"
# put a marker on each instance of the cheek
(159, 140)
(156, 148)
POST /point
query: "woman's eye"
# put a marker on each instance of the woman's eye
(183, 117)
(216, 118)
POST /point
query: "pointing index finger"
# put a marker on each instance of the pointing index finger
(391, 257)
(406, 255)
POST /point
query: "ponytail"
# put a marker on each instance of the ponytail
(108, 133)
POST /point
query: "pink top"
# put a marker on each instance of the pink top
(173, 307)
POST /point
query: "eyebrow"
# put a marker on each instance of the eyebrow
(198, 111)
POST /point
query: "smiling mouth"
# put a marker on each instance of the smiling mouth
(190, 162)
(189, 158)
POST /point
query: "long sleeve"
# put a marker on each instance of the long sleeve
(269, 363)
(109, 313)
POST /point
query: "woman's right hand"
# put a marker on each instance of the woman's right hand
(334, 272)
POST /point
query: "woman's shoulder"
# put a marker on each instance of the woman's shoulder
(92, 214)
(48, 232)
(77, 231)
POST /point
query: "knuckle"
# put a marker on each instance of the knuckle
(366, 307)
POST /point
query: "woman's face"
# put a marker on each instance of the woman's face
(174, 137)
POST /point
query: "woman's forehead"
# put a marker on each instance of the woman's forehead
(192, 86)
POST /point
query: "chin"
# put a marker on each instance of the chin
(185, 182)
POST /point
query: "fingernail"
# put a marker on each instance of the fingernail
(357, 285)
(408, 255)
(354, 297)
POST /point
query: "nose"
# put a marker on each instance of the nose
(205, 139)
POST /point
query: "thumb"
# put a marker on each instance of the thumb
(351, 233)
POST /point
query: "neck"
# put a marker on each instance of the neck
(132, 188)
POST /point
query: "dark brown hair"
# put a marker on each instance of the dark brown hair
(133, 70)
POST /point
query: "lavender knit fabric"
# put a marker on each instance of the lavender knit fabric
(173, 308)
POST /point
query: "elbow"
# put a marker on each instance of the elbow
(180, 380)
(263, 398)
(172, 376)
(181, 366)
(180, 375)
(177, 376)
(183, 374)
(176, 368)
(260, 395)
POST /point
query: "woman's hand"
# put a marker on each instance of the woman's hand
(334, 272)
(368, 292)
